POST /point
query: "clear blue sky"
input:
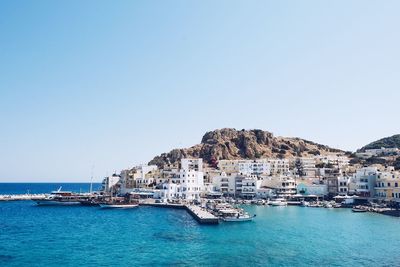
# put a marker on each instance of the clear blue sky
(114, 83)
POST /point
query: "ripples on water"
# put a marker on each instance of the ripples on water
(279, 236)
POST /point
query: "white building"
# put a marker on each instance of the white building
(279, 166)
(335, 160)
(228, 166)
(364, 180)
(192, 164)
(250, 186)
(284, 186)
(311, 189)
(187, 184)
(343, 185)
(266, 193)
(308, 166)
(255, 167)
(110, 182)
(382, 151)
(141, 176)
(237, 185)
(245, 167)
(224, 184)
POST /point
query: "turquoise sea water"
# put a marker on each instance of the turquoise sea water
(37, 188)
(279, 236)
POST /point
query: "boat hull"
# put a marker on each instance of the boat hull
(118, 206)
(237, 219)
(240, 219)
(56, 203)
(358, 210)
(278, 204)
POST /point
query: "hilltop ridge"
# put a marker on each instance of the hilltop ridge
(230, 144)
(387, 142)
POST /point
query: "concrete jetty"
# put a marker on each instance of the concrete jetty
(21, 197)
(164, 205)
(201, 215)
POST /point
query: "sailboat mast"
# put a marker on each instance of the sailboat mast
(91, 181)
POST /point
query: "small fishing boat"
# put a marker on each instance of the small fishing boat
(328, 205)
(358, 209)
(235, 215)
(305, 203)
(278, 202)
(260, 202)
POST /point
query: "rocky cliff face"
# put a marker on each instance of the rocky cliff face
(230, 143)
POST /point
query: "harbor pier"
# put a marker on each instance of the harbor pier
(201, 215)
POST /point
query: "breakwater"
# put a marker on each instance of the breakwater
(21, 197)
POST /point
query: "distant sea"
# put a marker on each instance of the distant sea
(32, 235)
(37, 188)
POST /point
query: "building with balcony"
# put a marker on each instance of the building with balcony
(343, 185)
(284, 186)
(250, 186)
(387, 186)
(225, 184)
(187, 184)
(364, 180)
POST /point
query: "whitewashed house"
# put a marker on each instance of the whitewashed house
(343, 185)
(187, 184)
(364, 180)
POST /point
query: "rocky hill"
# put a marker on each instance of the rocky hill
(388, 142)
(230, 143)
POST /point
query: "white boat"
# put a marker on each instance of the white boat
(235, 215)
(246, 202)
(278, 202)
(359, 209)
(118, 206)
(242, 218)
(260, 202)
(305, 204)
(61, 198)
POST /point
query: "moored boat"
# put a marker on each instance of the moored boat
(61, 198)
(278, 202)
(358, 209)
(260, 202)
(89, 202)
(305, 203)
(235, 215)
(118, 205)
